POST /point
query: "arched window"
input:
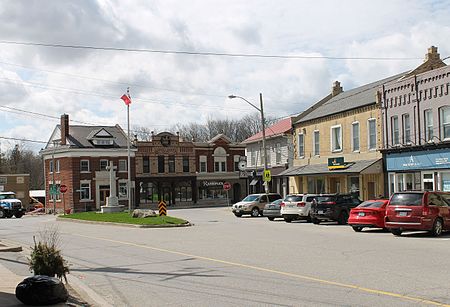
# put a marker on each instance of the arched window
(220, 160)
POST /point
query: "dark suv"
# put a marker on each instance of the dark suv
(333, 207)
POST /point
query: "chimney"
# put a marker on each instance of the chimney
(432, 54)
(336, 89)
(64, 128)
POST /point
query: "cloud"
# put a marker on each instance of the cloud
(168, 89)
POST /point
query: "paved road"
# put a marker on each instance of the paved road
(227, 261)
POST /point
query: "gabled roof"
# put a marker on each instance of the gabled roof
(348, 100)
(99, 133)
(81, 136)
(220, 136)
(279, 128)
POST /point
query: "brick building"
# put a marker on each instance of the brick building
(77, 156)
(416, 127)
(186, 172)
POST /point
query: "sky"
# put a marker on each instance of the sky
(38, 83)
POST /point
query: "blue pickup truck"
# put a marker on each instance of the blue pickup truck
(10, 205)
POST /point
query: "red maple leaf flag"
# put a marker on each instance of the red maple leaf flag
(126, 99)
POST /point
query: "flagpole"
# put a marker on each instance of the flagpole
(128, 152)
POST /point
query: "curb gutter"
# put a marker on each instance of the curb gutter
(123, 224)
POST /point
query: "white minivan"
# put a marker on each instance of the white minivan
(254, 204)
(297, 207)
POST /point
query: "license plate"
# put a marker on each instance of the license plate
(402, 213)
(291, 206)
(361, 214)
(320, 212)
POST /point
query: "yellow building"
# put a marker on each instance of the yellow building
(337, 143)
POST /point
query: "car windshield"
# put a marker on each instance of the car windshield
(406, 199)
(251, 198)
(371, 204)
(293, 198)
(7, 196)
(323, 199)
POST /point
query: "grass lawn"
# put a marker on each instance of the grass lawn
(124, 217)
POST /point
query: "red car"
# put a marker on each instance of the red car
(427, 210)
(368, 214)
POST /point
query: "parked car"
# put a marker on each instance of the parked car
(368, 214)
(426, 210)
(254, 204)
(333, 207)
(296, 207)
(10, 205)
(272, 210)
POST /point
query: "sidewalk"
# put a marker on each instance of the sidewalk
(79, 293)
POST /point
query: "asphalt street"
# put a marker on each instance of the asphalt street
(227, 261)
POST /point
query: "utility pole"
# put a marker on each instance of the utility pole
(266, 185)
(128, 152)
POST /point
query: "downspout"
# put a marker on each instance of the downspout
(384, 155)
(416, 89)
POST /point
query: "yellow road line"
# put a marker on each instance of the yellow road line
(318, 280)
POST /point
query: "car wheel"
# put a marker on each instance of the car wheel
(271, 218)
(2, 214)
(436, 231)
(18, 215)
(288, 219)
(255, 212)
(9, 215)
(309, 218)
(357, 228)
(315, 221)
(396, 232)
(343, 217)
(238, 214)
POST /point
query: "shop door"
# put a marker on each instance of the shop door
(167, 195)
(104, 193)
(371, 190)
(428, 181)
(335, 185)
(236, 193)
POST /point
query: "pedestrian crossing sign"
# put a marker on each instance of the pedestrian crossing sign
(267, 177)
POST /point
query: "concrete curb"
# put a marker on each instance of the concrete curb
(7, 246)
(123, 224)
(91, 297)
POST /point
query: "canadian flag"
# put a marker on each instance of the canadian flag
(126, 99)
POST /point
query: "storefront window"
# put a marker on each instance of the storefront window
(211, 190)
(183, 192)
(445, 182)
(316, 185)
(147, 193)
(353, 184)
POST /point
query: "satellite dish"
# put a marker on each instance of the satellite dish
(242, 165)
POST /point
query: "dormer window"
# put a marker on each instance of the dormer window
(101, 138)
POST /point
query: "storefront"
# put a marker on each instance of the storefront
(175, 190)
(212, 191)
(419, 170)
(364, 178)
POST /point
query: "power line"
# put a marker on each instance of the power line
(114, 82)
(222, 54)
(22, 140)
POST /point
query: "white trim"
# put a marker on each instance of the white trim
(393, 141)
(441, 122)
(314, 143)
(77, 153)
(404, 130)
(298, 146)
(359, 137)
(340, 136)
(368, 134)
(89, 166)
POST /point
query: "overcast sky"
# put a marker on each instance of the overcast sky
(167, 89)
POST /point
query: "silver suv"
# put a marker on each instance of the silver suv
(296, 207)
(254, 204)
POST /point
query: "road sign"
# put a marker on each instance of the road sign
(63, 188)
(53, 189)
(162, 208)
(267, 177)
(226, 186)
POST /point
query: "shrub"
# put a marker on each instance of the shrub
(46, 258)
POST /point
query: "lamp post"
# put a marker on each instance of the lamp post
(261, 110)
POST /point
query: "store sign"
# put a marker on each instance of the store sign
(418, 160)
(212, 183)
(336, 163)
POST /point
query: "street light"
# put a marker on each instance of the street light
(261, 110)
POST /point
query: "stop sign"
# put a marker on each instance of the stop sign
(226, 186)
(63, 188)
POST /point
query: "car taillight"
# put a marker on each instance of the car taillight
(282, 204)
(425, 210)
(329, 203)
(301, 204)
